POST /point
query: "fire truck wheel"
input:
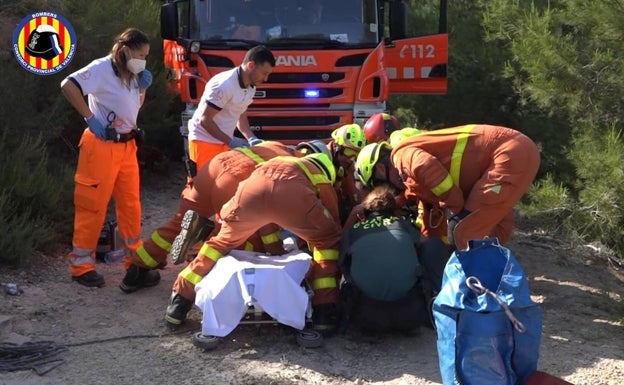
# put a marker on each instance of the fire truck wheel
(308, 338)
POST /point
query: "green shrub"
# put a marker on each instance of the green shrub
(591, 210)
(38, 144)
(598, 213)
(34, 200)
(548, 206)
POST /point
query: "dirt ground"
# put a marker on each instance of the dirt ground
(112, 337)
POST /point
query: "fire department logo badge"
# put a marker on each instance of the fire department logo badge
(44, 43)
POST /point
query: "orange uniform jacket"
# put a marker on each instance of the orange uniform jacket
(214, 184)
(279, 191)
(481, 168)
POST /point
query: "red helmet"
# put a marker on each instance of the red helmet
(379, 126)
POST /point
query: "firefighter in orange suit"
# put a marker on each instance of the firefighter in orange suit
(214, 184)
(346, 143)
(295, 194)
(107, 164)
(475, 173)
(222, 177)
(429, 218)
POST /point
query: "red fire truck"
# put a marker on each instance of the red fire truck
(337, 60)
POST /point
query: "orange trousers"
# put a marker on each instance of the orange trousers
(492, 198)
(260, 201)
(104, 169)
(202, 152)
(210, 190)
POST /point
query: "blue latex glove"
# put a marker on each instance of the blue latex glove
(96, 127)
(238, 142)
(145, 79)
(254, 140)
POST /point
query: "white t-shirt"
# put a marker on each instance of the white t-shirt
(107, 93)
(226, 92)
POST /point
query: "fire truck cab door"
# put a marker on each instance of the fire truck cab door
(417, 65)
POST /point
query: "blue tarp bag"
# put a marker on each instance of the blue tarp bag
(488, 327)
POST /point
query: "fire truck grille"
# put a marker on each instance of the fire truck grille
(306, 78)
(296, 93)
(294, 135)
(287, 121)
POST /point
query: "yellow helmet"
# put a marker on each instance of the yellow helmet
(351, 137)
(314, 147)
(366, 161)
(396, 137)
(324, 163)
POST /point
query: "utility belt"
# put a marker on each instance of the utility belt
(114, 136)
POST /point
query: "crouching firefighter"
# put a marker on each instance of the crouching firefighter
(383, 278)
(289, 192)
(214, 184)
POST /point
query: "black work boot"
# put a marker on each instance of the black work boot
(90, 279)
(194, 228)
(178, 309)
(138, 277)
(325, 319)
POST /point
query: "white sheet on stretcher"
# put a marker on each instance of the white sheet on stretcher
(244, 278)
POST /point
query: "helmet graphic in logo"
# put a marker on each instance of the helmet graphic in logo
(44, 43)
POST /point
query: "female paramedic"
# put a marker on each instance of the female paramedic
(107, 163)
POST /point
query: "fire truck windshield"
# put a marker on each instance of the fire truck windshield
(326, 22)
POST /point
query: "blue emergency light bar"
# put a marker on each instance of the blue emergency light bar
(312, 93)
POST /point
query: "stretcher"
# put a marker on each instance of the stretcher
(247, 287)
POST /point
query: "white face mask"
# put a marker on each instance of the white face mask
(136, 65)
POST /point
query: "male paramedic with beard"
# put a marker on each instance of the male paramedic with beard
(107, 163)
(223, 107)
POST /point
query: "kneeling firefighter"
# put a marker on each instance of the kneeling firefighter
(266, 197)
